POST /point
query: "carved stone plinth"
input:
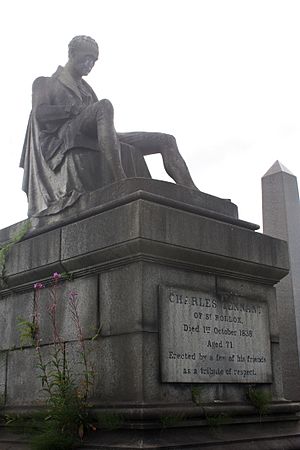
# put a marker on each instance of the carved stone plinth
(182, 293)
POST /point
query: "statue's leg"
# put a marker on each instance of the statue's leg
(150, 143)
(107, 137)
(98, 120)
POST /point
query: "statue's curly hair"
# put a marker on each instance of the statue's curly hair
(83, 43)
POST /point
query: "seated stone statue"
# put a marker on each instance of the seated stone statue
(71, 146)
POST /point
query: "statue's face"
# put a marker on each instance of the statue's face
(83, 63)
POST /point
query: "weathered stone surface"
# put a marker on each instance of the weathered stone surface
(254, 434)
(82, 240)
(153, 389)
(281, 219)
(128, 190)
(122, 300)
(172, 235)
(86, 293)
(3, 364)
(227, 286)
(117, 363)
(209, 236)
(204, 338)
(134, 188)
(262, 293)
(126, 370)
(155, 274)
(129, 295)
(149, 223)
(34, 258)
(24, 386)
(133, 248)
(277, 382)
(12, 309)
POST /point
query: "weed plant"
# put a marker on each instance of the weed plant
(260, 399)
(197, 392)
(66, 421)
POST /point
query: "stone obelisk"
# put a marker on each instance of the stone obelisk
(281, 219)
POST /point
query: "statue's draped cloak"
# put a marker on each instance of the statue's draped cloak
(60, 164)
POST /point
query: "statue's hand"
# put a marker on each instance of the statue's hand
(76, 109)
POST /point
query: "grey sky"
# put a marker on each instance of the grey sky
(223, 76)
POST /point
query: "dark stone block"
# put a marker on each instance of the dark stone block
(13, 309)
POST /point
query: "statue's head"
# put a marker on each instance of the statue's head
(83, 44)
(83, 53)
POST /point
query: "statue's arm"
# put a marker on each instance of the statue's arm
(46, 104)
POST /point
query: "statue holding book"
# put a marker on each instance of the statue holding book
(71, 145)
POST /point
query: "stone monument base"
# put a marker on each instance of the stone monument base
(178, 312)
(265, 435)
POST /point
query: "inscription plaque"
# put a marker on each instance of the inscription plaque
(213, 340)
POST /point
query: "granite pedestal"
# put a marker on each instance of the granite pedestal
(180, 294)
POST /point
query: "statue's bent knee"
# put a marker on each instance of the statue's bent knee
(105, 107)
(170, 141)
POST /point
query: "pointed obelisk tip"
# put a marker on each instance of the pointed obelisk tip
(276, 168)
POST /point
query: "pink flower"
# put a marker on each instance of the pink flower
(56, 276)
(38, 286)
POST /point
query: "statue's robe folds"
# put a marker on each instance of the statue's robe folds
(60, 164)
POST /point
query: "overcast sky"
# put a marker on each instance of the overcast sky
(223, 76)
